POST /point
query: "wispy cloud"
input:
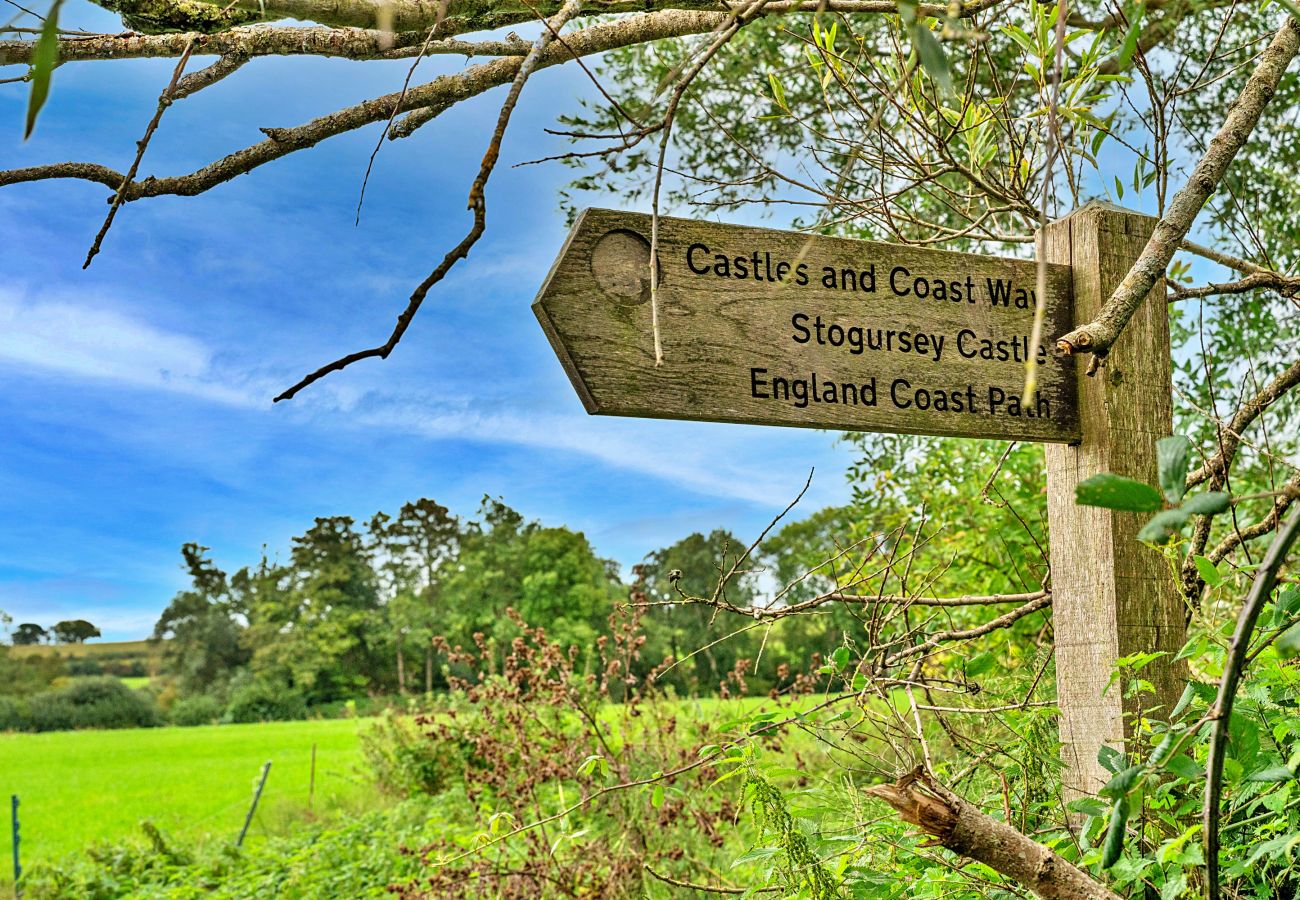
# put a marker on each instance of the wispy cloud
(708, 459)
(88, 339)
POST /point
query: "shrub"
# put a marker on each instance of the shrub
(265, 701)
(201, 709)
(13, 716)
(100, 702)
(105, 702)
(48, 711)
(404, 761)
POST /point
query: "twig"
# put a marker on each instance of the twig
(477, 203)
(164, 101)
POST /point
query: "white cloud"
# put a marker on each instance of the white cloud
(88, 339)
(713, 460)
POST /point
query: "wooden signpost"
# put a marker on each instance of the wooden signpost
(778, 328)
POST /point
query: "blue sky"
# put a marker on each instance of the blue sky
(135, 407)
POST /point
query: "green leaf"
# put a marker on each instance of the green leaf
(1089, 806)
(932, 57)
(1188, 693)
(1122, 783)
(1164, 526)
(1288, 645)
(840, 657)
(777, 91)
(1272, 774)
(1129, 46)
(45, 56)
(1114, 843)
(755, 855)
(1208, 571)
(1210, 503)
(1111, 759)
(709, 750)
(1184, 766)
(1288, 604)
(980, 663)
(657, 796)
(1117, 492)
(1172, 457)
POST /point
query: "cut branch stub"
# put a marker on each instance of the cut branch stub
(965, 830)
(781, 328)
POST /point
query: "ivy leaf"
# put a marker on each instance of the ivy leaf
(45, 56)
(1211, 503)
(1172, 457)
(932, 57)
(1164, 526)
(1114, 843)
(1117, 492)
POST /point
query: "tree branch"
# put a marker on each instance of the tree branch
(1098, 336)
(260, 40)
(443, 91)
(1260, 591)
(1216, 467)
(477, 203)
(965, 830)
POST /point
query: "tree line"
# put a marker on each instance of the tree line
(360, 609)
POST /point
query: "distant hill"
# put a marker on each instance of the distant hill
(121, 658)
(111, 649)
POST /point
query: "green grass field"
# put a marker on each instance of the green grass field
(194, 783)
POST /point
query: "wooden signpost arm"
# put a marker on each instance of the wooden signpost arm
(1112, 596)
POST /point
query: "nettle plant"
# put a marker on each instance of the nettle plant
(1207, 800)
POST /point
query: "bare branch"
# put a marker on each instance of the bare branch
(442, 91)
(260, 40)
(1286, 285)
(164, 101)
(477, 203)
(1231, 434)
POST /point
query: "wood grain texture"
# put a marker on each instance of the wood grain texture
(1111, 595)
(731, 335)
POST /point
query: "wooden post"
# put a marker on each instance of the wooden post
(1111, 595)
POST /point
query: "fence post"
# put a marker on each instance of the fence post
(1112, 596)
(257, 795)
(18, 866)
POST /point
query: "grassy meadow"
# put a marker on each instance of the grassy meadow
(77, 787)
